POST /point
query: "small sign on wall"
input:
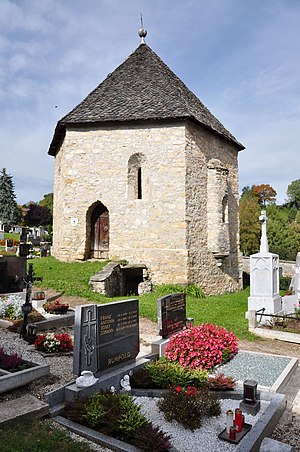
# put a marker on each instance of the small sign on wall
(74, 221)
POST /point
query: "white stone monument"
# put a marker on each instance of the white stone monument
(295, 283)
(291, 302)
(264, 276)
(1, 231)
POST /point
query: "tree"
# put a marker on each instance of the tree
(246, 191)
(37, 215)
(47, 201)
(9, 212)
(264, 193)
(249, 225)
(293, 192)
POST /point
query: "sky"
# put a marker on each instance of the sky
(240, 58)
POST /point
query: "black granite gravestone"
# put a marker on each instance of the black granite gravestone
(105, 335)
(171, 313)
(12, 272)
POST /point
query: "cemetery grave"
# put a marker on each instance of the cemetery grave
(93, 326)
(107, 343)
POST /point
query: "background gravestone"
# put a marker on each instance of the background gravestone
(12, 274)
(105, 335)
(171, 313)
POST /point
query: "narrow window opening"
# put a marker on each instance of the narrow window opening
(225, 209)
(135, 184)
(139, 183)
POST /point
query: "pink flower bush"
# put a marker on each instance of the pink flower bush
(202, 347)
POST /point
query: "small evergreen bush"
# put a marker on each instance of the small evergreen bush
(118, 416)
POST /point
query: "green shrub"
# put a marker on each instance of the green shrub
(165, 374)
(191, 289)
(118, 416)
(94, 409)
(131, 418)
(194, 291)
(188, 406)
(284, 282)
(151, 439)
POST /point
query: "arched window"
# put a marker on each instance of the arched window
(135, 176)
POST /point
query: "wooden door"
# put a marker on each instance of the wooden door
(100, 233)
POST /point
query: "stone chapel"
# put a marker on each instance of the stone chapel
(145, 172)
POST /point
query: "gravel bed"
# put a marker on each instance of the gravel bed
(261, 368)
(61, 373)
(60, 366)
(188, 441)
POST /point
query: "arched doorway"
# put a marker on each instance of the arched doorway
(100, 232)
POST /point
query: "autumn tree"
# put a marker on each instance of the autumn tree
(264, 193)
(9, 212)
(293, 192)
(249, 224)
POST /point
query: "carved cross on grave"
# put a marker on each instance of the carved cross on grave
(264, 246)
(89, 326)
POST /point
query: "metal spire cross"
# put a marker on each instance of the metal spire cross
(142, 31)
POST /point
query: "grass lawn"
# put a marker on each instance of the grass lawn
(11, 236)
(73, 278)
(33, 435)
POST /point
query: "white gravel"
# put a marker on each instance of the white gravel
(205, 437)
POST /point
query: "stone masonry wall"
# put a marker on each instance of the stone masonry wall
(92, 165)
(167, 229)
(203, 268)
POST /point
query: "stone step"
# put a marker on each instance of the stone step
(24, 406)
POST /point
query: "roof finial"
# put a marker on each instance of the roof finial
(142, 31)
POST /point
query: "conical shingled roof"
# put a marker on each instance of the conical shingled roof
(142, 88)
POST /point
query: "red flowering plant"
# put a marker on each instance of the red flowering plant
(187, 405)
(56, 307)
(54, 343)
(202, 347)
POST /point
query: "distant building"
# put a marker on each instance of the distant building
(144, 172)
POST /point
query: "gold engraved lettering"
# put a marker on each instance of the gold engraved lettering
(117, 358)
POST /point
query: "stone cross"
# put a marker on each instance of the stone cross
(87, 340)
(264, 246)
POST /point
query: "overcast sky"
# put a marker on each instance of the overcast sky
(240, 57)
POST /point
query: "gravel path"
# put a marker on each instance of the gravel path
(286, 431)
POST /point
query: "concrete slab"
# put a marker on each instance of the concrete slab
(96, 437)
(273, 334)
(22, 407)
(271, 445)
(12, 380)
(288, 366)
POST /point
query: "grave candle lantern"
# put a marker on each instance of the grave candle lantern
(250, 403)
(232, 433)
(238, 418)
(250, 391)
(229, 420)
(189, 322)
